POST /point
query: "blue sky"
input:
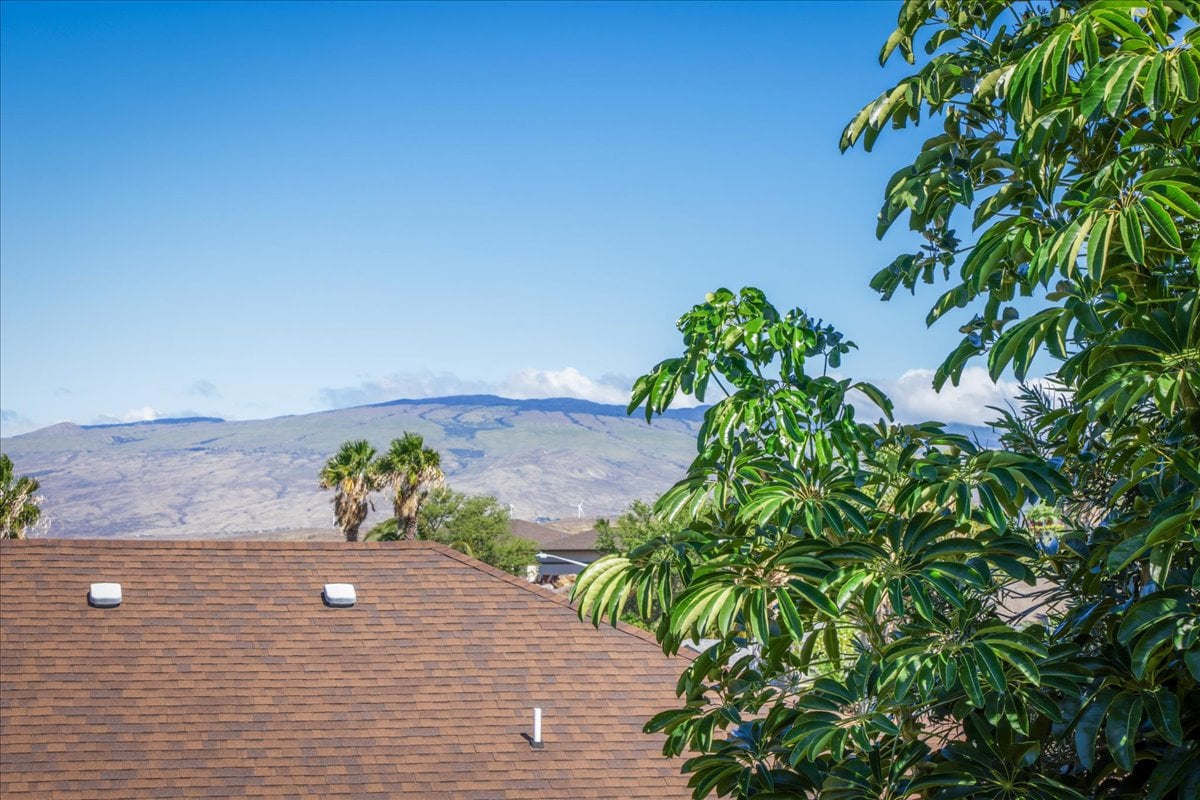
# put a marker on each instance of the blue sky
(247, 210)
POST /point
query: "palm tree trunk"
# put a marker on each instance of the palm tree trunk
(351, 533)
(410, 527)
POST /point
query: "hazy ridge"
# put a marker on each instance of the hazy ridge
(200, 476)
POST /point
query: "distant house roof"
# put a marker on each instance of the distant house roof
(222, 673)
(573, 524)
(551, 539)
(573, 542)
(534, 532)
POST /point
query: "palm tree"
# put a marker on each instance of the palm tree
(351, 474)
(412, 469)
(18, 501)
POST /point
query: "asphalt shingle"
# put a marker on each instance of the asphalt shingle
(223, 674)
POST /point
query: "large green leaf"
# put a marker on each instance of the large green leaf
(1087, 726)
(1124, 715)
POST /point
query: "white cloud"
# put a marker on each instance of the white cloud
(966, 403)
(523, 384)
(568, 382)
(143, 414)
(400, 386)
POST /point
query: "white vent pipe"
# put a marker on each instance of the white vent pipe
(536, 741)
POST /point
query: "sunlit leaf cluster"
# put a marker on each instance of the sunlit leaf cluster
(848, 572)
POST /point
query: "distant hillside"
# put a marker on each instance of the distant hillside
(209, 476)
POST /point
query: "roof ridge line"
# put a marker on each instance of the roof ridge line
(252, 544)
(545, 594)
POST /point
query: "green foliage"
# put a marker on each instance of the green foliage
(1042, 516)
(801, 529)
(19, 508)
(1070, 140)
(408, 468)
(412, 470)
(473, 524)
(352, 476)
(637, 526)
(642, 534)
(1074, 135)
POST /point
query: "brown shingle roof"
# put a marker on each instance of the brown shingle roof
(553, 539)
(538, 534)
(585, 540)
(222, 674)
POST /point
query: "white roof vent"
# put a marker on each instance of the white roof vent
(105, 595)
(340, 595)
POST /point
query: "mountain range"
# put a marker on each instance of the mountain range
(204, 476)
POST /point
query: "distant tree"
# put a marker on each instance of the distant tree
(383, 532)
(638, 525)
(412, 470)
(351, 473)
(473, 524)
(640, 534)
(1043, 517)
(18, 501)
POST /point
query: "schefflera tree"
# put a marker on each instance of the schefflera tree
(1069, 144)
(850, 573)
(863, 566)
